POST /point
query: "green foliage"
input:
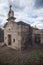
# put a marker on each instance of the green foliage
(2, 63)
(1, 35)
(35, 57)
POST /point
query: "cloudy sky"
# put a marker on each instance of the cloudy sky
(29, 11)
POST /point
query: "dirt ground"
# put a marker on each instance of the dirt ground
(9, 55)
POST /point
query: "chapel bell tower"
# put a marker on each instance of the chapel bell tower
(11, 14)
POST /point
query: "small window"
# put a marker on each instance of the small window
(13, 40)
(9, 28)
(5, 37)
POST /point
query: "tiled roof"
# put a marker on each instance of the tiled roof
(22, 23)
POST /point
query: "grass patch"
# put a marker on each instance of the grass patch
(11, 57)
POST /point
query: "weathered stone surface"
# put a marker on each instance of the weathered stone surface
(22, 34)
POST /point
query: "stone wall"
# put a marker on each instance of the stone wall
(37, 32)
(22, 35)
(26, 36)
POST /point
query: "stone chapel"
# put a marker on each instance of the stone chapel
(18, 35)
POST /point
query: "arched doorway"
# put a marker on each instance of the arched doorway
(9, 39)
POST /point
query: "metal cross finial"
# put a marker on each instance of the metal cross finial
(10, 7)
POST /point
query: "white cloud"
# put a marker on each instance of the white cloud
(24, 10)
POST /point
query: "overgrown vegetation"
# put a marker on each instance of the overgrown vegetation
(1, 35)
(12, 57)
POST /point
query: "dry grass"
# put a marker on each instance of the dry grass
(32, 56)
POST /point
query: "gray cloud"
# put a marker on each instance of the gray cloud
(23, 10)
(17, 4)
(1, 15)
(18, 8)
(42, 21)
(1, 23)
(39, 3)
